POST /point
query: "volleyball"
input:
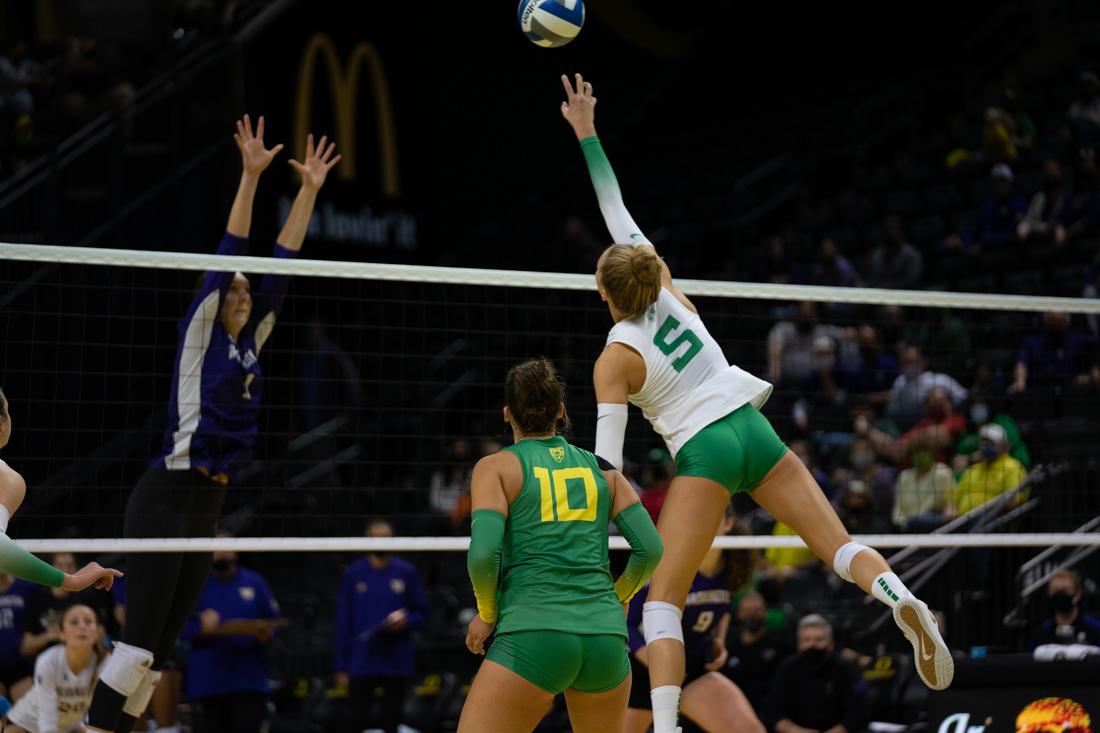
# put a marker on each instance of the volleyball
(551, 23)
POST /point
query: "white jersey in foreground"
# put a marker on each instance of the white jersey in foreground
(688, 381)
(59, 698)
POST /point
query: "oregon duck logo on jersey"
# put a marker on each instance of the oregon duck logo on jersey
(558, 453)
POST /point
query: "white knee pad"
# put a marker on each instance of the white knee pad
(842, 561)
(139, 698)
(126, 668)
(661, 620)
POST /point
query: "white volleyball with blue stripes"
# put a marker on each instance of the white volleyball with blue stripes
(551, 23)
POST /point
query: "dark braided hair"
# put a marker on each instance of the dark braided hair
(533, 392)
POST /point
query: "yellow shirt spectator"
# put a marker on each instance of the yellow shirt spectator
(984, 481)
(788, 557)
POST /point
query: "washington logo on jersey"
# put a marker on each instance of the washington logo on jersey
(558, 454)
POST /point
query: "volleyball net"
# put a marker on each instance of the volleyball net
(383, 386)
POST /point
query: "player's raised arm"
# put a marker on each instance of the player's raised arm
(579, 110)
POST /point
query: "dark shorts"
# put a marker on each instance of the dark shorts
(640, 686)
(557, 661)
(736, 451)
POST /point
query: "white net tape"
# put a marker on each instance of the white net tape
(461, 544)
(527, 279)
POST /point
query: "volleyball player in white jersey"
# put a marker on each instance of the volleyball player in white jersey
(660, 357)
(64, 676)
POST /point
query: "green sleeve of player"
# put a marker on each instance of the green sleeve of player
(483, 560)
(645, 550)
(621, 225)
(16, 561)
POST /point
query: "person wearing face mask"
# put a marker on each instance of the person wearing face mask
(941, 427)
(1066, 624)
(923, 494)
(996, 473)
(381, 602)
(792, 358)
(980, 413)
(816, 690)
(227, 667)
(909, 393)
(755, 651)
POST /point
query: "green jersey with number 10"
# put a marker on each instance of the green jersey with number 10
(555, 574)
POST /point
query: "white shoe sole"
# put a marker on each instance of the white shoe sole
(931, 655)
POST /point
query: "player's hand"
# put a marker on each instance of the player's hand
(579, 107)
(721, 655)
(254, 156)
(91, 574)
(318, 162)
(476, 635)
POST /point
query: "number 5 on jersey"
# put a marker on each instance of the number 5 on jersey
(669, 348)
(557, 500)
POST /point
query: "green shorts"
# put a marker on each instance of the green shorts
(557, 661)
(737, 450)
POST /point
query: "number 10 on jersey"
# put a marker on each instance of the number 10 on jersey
(556, 500)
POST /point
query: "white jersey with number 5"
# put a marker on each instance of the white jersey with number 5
(688, 381)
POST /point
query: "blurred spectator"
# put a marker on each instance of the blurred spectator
(18, 73)
(779, 266)
(856, 509)
(1082, 217)
(895, 263)
(862, 466)
(755, 651)
(783, 563)
(997, 472)
(945, 339)
(381, 602)
(924, 491)
(1000, 214)
(878, 368)
(1084, 113)
(791, 346)
(328, 383)
(979, 414)
(909, 393)
(460, 515)
(15, 667)
(1066, 623)
(1092, 291)
(817, 690)
(998, 138)
(833, 268)
(1024, 132)
(805, 452)
(941, 425)
(656, 480)
(1048, 208)
(1050, 360)
(42, 620)
(93, 80)
(227, 672)
(450, 480)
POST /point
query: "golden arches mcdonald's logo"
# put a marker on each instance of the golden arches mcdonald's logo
(344, 83)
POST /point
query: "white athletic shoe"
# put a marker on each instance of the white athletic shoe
(933, 659)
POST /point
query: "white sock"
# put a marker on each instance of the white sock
(889, 589)
(666, 703)
(5, 517)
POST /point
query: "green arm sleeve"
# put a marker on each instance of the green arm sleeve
(483, 560)
(618, 220)
(645, 550)
(16, 561)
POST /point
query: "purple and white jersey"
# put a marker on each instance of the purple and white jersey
(216, 382)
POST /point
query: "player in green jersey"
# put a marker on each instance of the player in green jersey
(539, 566)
